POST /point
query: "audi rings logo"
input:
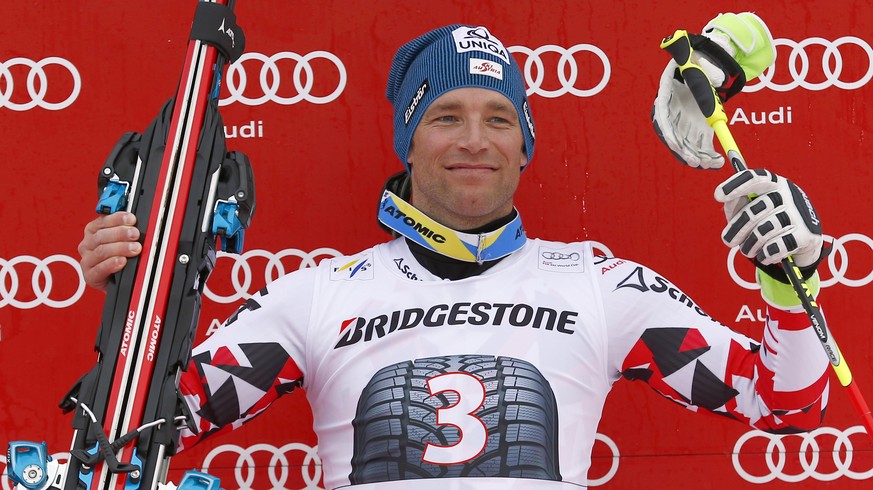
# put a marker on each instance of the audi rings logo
(242, 276)
(568, 70)
(550, 255)
(250, 460)
(813, 445)
(272, 78)
(57, 282)
(279, 460)
(834, 270)
(36, 83)
(46, 275)
(831, 64)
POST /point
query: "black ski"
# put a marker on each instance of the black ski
(187, 192)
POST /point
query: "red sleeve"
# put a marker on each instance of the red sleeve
(660, 336)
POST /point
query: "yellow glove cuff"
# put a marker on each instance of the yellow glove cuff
(781, 295)
(750, 35)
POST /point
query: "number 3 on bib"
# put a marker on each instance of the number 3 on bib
(456, 416)
(472, 432)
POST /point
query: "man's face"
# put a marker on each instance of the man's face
(466, 158)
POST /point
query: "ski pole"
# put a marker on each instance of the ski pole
(679, 47)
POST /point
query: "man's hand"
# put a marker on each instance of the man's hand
(732, 49)
(108, 242)
(777, 222)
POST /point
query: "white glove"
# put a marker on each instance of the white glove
(742, 38)
(679, 122)
(779, 221)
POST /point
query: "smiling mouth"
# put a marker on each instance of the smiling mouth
(471, 168)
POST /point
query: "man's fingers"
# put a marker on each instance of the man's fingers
(749, 181)
(107, 229)
(107, 251)
(98, 275)
(110, 221)
(99, 264)
(107, 243)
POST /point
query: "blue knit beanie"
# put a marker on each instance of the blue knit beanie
(447, 58)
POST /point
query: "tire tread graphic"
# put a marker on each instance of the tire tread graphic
(396, 419)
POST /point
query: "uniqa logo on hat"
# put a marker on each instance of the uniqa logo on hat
(479, 39)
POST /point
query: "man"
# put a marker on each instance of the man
(486, 363)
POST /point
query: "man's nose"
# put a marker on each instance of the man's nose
(474, 137)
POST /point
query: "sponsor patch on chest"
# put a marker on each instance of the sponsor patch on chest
(560, 259)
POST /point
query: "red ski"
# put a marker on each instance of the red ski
(187, 191)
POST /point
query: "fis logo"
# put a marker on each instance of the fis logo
(359, 268)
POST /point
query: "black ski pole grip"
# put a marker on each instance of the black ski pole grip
(679, 47)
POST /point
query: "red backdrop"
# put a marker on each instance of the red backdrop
(307, 105)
